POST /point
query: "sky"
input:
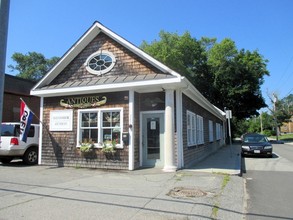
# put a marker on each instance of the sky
(51, 27)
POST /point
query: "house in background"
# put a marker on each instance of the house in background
(107, 92)
(14, 89)
(287, 127)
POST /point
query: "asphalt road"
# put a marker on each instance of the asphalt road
(269, 184)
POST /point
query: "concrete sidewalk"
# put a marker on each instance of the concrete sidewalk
(226, 160)
(41, 192)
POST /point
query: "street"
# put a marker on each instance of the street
(269, 188)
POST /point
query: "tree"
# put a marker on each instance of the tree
(238, 76)
(32, 66)
(226, 76)
(282, 110)
(185, 55)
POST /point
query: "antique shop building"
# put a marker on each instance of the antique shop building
(108, 92)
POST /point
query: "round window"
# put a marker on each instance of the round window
(100, 62)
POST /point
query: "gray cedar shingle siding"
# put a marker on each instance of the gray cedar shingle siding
(195, 153)
(127, 65)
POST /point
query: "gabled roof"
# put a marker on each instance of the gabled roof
(169, 78)
(89, 35)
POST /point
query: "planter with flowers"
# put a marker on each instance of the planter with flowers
(109, 149)
(87, 148)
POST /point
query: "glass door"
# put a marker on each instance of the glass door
(153, 139)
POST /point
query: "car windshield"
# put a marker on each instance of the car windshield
(9, 130)
(255, 139)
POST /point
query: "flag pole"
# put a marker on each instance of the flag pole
(36, 116)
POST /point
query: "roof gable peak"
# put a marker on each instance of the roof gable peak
(85, 39)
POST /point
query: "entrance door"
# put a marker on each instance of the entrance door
(152, 139)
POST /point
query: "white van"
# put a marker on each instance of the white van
(12, 147)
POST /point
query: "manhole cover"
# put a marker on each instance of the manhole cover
(186, 192)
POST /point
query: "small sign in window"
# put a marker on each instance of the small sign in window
(153, 125)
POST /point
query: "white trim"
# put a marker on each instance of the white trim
(69, 56)
(104, 87)
(192, 136)
(97, 53)
(87, 37)
(211, 131)
(140, 132)
(136, 50)
(99, 111)
(199, 129)
(130, 130)
(41, 131)
(198, 98)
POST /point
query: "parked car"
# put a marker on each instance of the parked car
(12, 147)
(256, 144)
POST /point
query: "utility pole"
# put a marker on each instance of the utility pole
(275, 117)
(4, 15)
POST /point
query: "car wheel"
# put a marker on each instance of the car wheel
(31, 156)
(6, 160)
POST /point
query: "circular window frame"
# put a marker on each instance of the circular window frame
(101, 71)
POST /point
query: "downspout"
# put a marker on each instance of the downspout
(41, 130)
(131, 131)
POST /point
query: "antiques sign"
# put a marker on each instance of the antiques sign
(83, 102)
(61, 120)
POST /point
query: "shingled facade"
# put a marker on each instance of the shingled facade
(131, 110)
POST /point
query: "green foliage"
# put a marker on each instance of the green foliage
(32, 66)
(283, 110)
(238, 76)
(86, 146)
(269, 133)
(253, 124)
(226, 76)
(108, 150)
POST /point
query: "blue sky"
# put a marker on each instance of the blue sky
(51, 27)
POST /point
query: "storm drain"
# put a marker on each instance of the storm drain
(179, 192)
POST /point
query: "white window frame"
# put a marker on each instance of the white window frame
(218, 131)
(99, 143)
(200, 130)
(100, 72)
(191, 128)
(211, 134)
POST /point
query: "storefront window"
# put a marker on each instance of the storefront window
(111, 130)
(103, 127)
(89, 127)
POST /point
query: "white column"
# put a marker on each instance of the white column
(131, 127)
(169, 132)
(179, 123)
